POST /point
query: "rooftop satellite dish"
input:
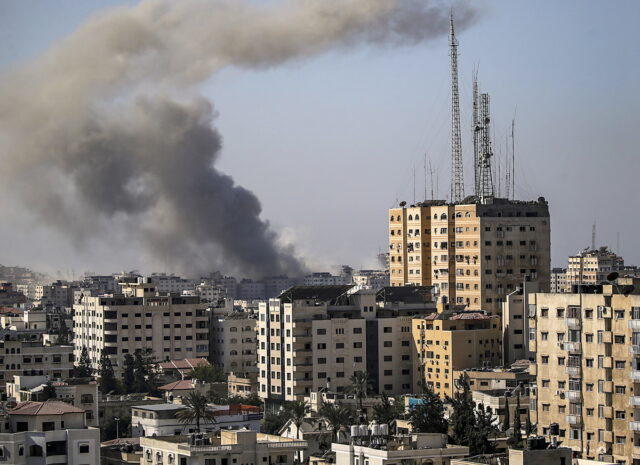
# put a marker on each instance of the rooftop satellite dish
(612, 276)
(403, 203)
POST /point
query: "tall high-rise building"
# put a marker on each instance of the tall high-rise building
(587, 349)
(475, 253)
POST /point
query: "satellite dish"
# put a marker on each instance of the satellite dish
(626, 290)
(403, 203)
(613, 276)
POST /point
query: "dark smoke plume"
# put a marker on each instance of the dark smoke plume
(105, 136)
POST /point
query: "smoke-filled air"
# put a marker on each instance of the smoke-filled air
(105, 136)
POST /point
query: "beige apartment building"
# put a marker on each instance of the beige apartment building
(591, 266)
(317, 337)
(20, 357)
(475, 253)
(587, 347)
(233, 343)
(169, 326)
(453, 339)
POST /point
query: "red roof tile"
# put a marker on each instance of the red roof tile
(50, 407)
(181, 385)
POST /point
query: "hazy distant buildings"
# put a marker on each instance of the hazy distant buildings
(591, 266)
(475, 253)
(558, 280)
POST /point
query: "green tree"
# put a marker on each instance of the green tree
(463, 416)
(144, 374)
(272, 422)
(207, 373)
(297, 411)
(388, 410)
(49, 392)
(515, 439)
(506, 422)
(336, 416)
(528, 427)
(479, 436)
(83, 368)
(112, 428)
(428, 415)
(108, 381)
(63, 333)
(196, 411)
(360, 387)
(129, 373)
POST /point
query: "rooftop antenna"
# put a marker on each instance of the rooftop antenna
(508, 169)
(618, 242)
(431, 174)
(485, 178)
(457, 175)
(513, 156)
(414, 184)
(593, 236)
(475, 127)
(425, 175)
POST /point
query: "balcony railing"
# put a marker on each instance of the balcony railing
(574, 419)
(634, 349)
(573, 323)
(634, 324)
(634, 375)
(572, 347)
(212, 449)
(634, 425)
(634, 401)
(286, 444)
(573, 395)
(572, 371)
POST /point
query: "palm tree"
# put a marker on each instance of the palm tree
(360, 387)
(196, 411)
(336, 415)
(297, 411)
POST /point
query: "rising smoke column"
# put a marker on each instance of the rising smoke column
(105, 134)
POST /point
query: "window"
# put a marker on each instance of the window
(357, 330)
(357, 345)
(83, 448)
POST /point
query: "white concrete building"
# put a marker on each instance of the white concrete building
(424, 448)
(233, 342)
(161, 420)
(43, 433)
(227, 448)
(169, 326)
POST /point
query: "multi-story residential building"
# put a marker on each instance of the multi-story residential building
(317, 337)
(33, 358)
(167, 326)
(170, 284)
(161, 419)
(79, 392)
(515, 324)
(52, 432)
(326, 279)
(558, 280)
(58, 295)
(372, 279)
(591, 266)
(9, 296)
(587, 346)
(232, 343)
(226, 447)
(475, 253)
(453, 339)
(250, 290)
(426, 448)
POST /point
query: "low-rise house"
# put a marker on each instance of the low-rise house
(121, 451)
(226, 448)
(174, 370)
(162, 420)
(51, 432)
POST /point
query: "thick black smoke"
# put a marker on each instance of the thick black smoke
(105, 136)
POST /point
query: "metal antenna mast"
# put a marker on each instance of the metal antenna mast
(513, 157)
(508, 174)
(457, 175)
(485, 176)
(593, 236)
(475, 127)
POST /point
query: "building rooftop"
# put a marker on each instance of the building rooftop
(160, 407)
(180, 385)
(183, 364)
(323, 293)
(407, 294)
(50, 407)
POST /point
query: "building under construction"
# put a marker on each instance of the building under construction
(475, 249)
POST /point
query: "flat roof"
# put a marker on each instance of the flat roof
(314, 292)
(159, 407)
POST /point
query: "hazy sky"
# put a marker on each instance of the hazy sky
(330, 143)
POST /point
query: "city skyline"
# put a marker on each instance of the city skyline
(364, 118)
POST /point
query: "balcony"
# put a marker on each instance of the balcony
(573, 323)
(634, 375)
(533, 368)
(573, 395)
(607, 362)
(607, 337)
(634, 401)
(574, 420)
(634, 324)
(210, 449)
(572, 371)
(287, 444)
(636, 452)
(634, 349)
(634, 425)
(572, 347)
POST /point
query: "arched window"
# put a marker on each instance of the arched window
(234, 341)
(233, 352)
(410, 217)
(459, 215)
(435, 216)
(391, 219)
(417, 217)
(443, 216)
(467, 214)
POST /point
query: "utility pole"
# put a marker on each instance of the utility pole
(457, 175)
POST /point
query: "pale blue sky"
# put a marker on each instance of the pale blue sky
(329, 144)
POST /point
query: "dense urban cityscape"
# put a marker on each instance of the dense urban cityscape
(465, 344)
